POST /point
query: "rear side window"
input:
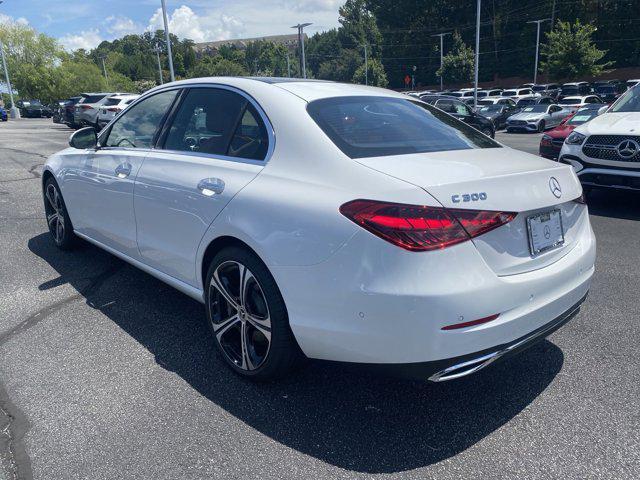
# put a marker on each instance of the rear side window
(218, 122)
(138, 126)
(380, 126)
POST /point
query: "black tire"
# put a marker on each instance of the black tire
(487, 131)
(66, 239)
(282, 354)
(541, 126)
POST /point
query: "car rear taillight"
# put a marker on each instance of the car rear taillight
(113, 109)
(422, 228)
(86, 107)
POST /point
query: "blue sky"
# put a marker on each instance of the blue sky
(84, 24)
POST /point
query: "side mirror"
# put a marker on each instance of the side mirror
(602, 110)
(84, 138)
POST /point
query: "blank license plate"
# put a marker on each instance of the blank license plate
(545, 231)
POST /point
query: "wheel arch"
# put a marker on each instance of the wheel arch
(216, 245)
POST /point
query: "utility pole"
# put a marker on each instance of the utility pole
(288, 66)
(441, 35)
(157, 50)
(366, 66)
(14, 112)
(166, 34)
(300, 28)
(553, 14)
(535, 69)
(104, 70)
(475, 82)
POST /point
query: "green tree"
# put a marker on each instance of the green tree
(458, 64)
(570, 52)
(215, 67)
(376, 74)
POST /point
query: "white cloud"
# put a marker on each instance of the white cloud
(87, 39)
(8, 19)
(120, 25)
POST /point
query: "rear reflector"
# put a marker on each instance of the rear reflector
(471, 323)
(421, 228)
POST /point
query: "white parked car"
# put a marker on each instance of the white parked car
(86, 110)
(113, 106)
(536, 118)
(572, 104)
(517, 93)
(340, 222)
(605, 152)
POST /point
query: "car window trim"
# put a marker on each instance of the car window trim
(263, 116)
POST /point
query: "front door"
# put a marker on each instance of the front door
(115, 166)
(216, 143)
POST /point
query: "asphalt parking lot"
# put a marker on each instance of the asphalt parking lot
(107, 373)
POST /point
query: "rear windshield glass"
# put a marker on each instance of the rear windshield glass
(111, 101)
(509, 93)
(570, 101)
(92, 98)
(538, 88)
(380, 126)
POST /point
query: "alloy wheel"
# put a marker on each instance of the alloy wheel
(240, 315)
(55, 213)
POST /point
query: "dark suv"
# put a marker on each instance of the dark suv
(547, 90)
(462, 112)
(609, 90)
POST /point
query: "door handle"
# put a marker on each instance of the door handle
(123, 170)
(211, 186)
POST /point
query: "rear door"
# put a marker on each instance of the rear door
(216, 142)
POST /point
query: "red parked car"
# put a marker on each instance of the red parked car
(552, 140)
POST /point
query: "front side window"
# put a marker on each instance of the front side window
(218, 122)
(363, 126)
(138, 126)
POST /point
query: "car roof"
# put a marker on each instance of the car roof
(306, 89)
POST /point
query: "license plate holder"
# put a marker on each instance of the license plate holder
(545, 231)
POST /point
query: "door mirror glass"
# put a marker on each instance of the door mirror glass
(84, 138)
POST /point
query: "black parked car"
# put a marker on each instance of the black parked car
(609, 90)
(68, 111)
(524, 102)
(463, 112)
(32, 109)
(575, 89)
(498, 114)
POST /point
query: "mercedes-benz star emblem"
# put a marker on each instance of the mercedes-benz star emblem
(628, 148)
(554, 186)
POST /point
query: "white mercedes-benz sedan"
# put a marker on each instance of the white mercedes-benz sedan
(332, 221)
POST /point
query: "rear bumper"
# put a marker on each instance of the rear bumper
(373, 303)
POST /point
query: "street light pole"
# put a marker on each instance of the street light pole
(166, 34)
(441, 35)
(104, 70)
(366, 66)
(303, 67)
(535, 69)
(14, 112)
(288, 66)
(157, 50)
(475, 83)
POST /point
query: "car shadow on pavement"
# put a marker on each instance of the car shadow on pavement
(614, 203)
(353, 420)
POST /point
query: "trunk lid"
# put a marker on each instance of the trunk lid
(497, 179)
